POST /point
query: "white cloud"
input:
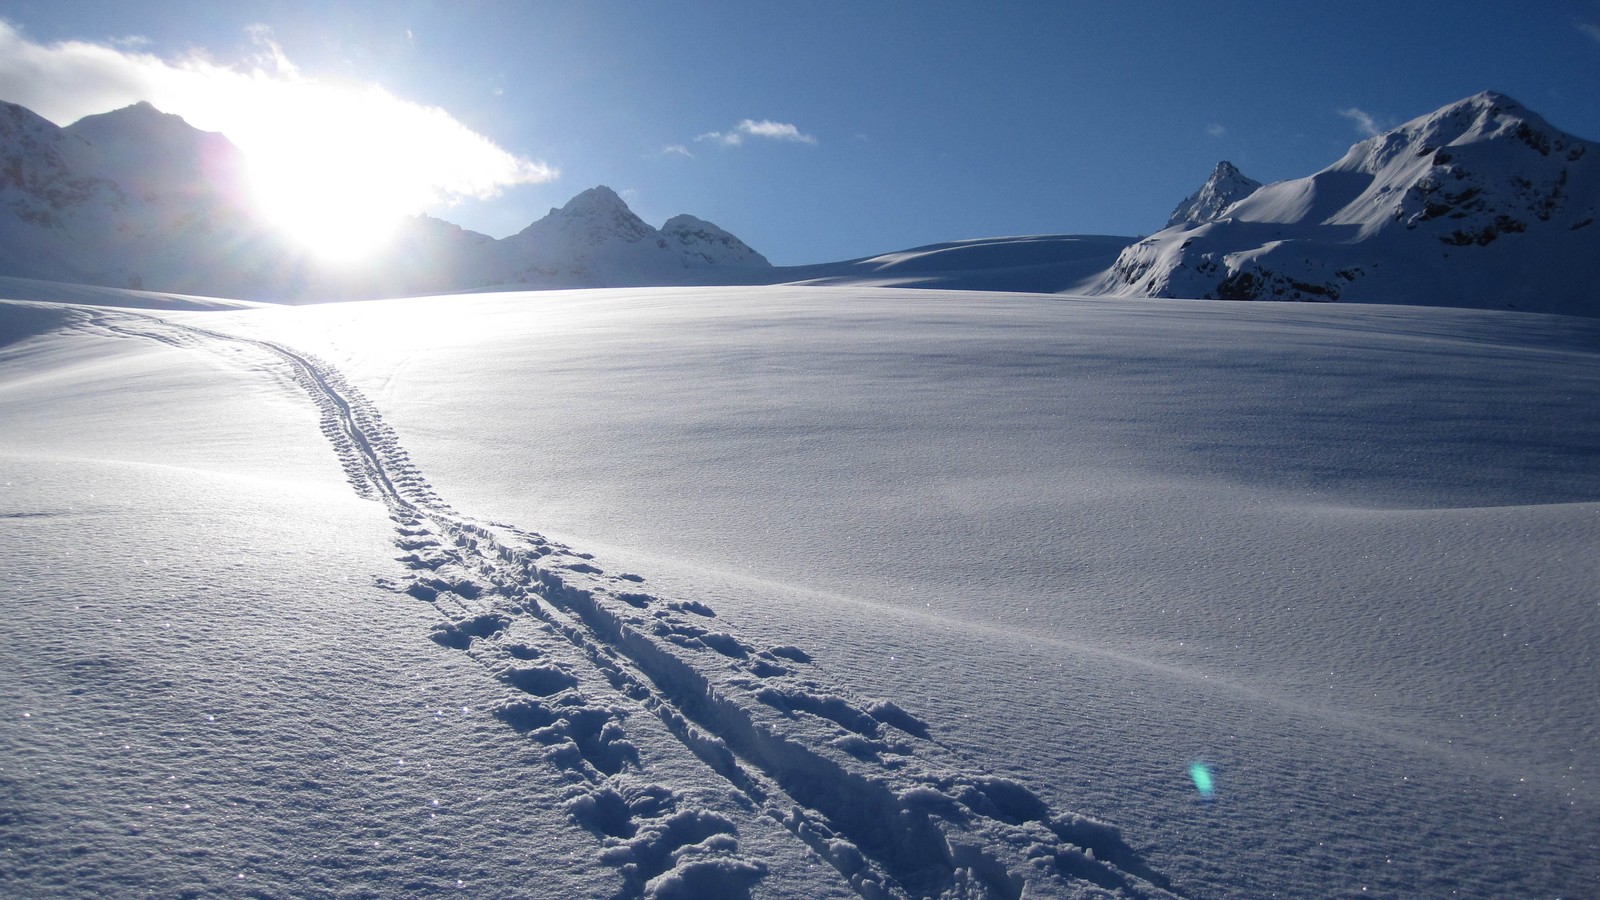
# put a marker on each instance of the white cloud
(1215, 130)
(766, 128)
(676, 150)
(344, 134)
(778, 131)
(1364, 123)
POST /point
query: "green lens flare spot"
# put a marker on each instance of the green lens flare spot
(1202, 779)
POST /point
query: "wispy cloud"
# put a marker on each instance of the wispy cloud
(1591, 29)
(1364, 122)
(765, 128)
(129, 42)
(1215, 130)
(421, 154)
(676, 150)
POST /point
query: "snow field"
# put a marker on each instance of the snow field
(893, 831)
(896, 593)
(205, 693)
(1340, 553)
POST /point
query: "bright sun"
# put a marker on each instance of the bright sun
(335, 175)
(333, 207)
(338, 167)
(337, 164)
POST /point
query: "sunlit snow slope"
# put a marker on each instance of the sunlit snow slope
(840, 591)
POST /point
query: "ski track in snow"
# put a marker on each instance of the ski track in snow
(864, 784)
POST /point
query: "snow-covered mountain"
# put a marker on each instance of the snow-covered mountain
(597, 241)
(158, 156)
(1226, 186)
(139, 198)
(700, 242)
(134, 198)
(43, 182)
(1480, 204)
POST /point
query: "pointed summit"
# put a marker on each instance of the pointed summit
(595, 216)
(1226, 186)
(597, 197)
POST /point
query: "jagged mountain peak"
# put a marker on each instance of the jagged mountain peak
(1226, 186)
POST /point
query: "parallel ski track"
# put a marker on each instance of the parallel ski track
(897, 814)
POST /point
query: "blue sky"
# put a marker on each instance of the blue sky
(911, 122)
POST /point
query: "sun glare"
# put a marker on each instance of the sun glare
(339, 171)
(337, 165)
(329, 204)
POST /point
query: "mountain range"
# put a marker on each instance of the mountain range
(1479, 204)
(137, 198)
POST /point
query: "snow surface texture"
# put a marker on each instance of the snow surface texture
(884, 593)
(1481, 204)
(612, 683)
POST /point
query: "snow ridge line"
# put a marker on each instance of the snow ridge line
(862, 784)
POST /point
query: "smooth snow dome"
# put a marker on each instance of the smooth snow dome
(813, 591)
